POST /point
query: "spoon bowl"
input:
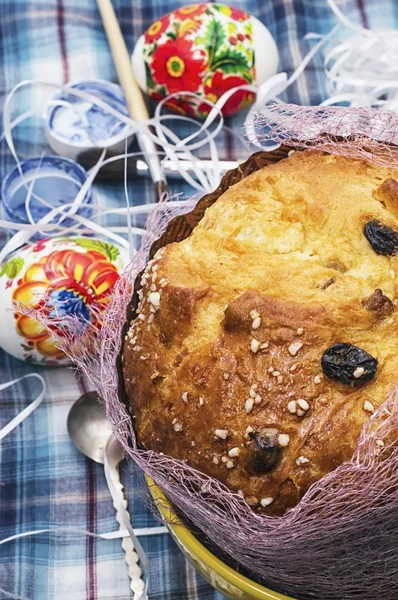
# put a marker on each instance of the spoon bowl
(88, 426)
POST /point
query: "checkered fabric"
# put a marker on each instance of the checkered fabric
(44, 481)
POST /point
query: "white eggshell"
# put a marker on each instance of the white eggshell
(265, 52)
(138, 62)
(69, 271)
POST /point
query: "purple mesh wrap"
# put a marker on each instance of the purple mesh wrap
(353, 132)
(341, 540)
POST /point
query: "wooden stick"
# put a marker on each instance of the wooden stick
(134, 98)
(122, 60)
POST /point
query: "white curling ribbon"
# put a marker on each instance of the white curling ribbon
(203, 183)
(8, 126)
(183, 149)
(358, 67)
(134, 127)
(275, 86)
(44, 225)
(26, 411)
(361, 71)
(180, 148)
(109, 535)
(21, 238)
(132, 547)
(343, 19)
(30, 192)
(126, 195)
(310, 55)
(141, 129)
(26, 231)
(272, 87)
(15, 242)
(145, 208)
(85, 187)
(149, 151)
(390, 94)
(175, 148)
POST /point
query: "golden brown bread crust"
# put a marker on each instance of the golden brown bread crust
(234, 321)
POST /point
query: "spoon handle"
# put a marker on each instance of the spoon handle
(131, 557)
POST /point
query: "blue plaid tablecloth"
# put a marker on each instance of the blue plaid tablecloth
(44, 481)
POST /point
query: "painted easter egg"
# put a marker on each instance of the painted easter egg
(59, 276)
(206, 49)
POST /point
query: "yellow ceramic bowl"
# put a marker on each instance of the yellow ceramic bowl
(218, 574)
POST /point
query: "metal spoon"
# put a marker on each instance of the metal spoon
(91, 432)
(88, 427)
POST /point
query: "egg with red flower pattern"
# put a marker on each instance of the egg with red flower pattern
(58, 278)
(206, 49)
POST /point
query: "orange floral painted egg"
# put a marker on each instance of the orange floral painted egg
(206, 49)
(59, 277)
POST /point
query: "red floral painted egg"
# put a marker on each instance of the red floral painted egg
(206, 49)
(58, 277)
